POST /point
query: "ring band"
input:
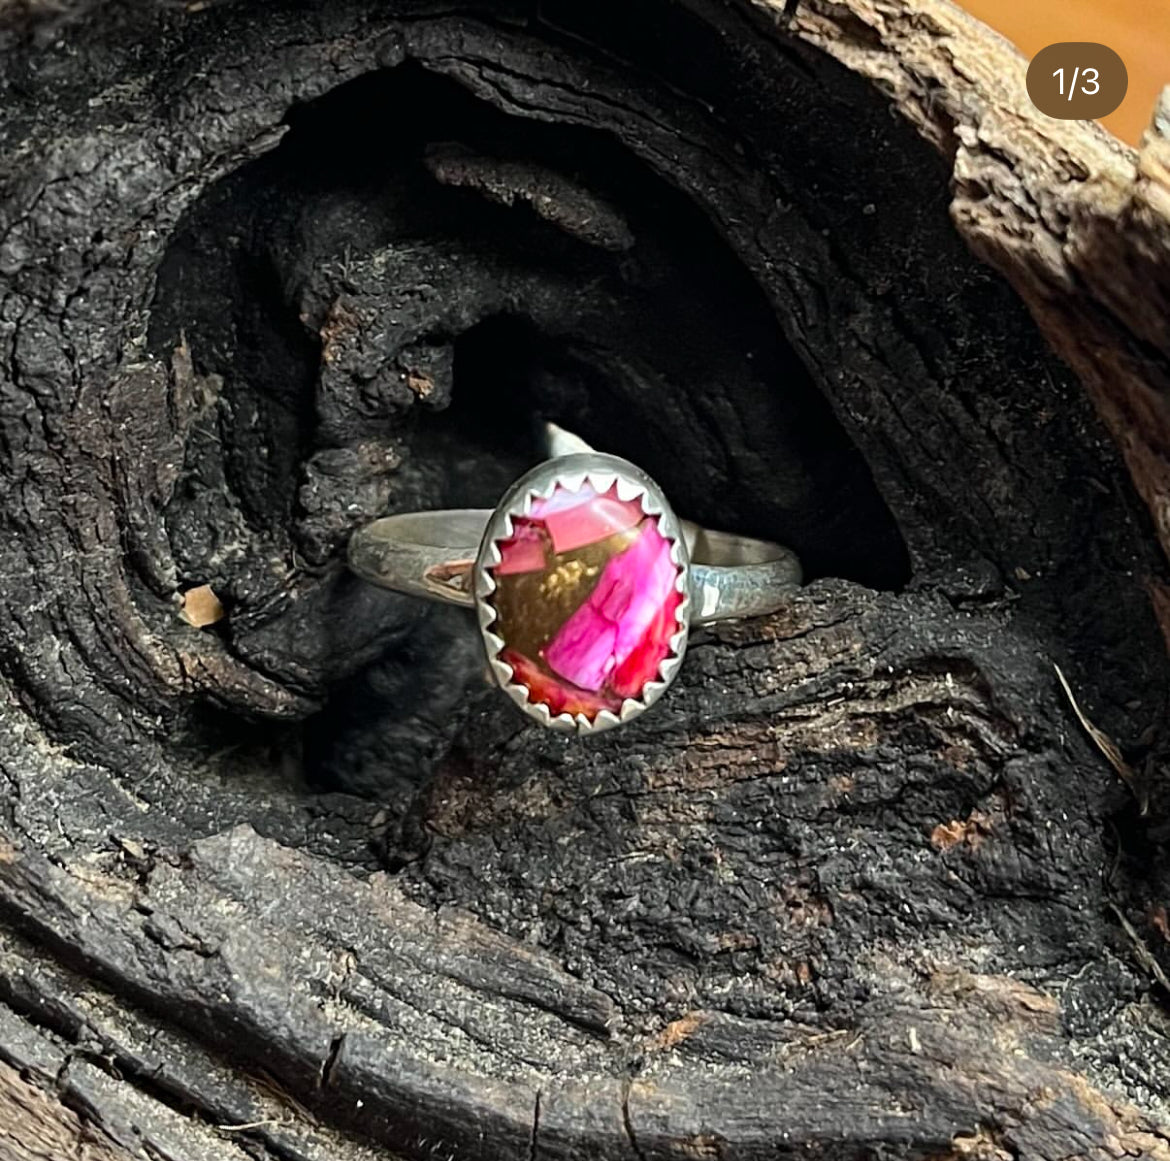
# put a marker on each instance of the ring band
(585, 582)
(432, 555)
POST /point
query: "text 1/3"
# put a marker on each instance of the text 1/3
(1088, 77)
(1077, 79)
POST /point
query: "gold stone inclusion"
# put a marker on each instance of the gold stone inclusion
(532, 606)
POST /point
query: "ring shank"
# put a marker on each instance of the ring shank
(431, 554)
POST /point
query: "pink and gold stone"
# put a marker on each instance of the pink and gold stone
(586, 600)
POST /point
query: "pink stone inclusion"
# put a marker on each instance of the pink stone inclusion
(617, 637)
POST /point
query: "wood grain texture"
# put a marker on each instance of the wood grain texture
(35, 1127)
(1077, 221)
(294, 884)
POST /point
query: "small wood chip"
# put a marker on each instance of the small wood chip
(1106, 745)
(422, 385)
(201, 607)
(972, 832)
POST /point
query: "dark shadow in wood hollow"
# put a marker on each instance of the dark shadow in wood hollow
(387, 305)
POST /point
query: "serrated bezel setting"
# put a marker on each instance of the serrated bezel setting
(573, 472)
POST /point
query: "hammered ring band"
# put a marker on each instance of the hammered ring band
(584, 581)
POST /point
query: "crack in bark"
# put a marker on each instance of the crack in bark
(627, 1121)
(534, 1140)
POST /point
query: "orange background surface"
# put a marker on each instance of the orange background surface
(1137, 30)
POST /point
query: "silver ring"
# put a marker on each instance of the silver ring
(585, 582)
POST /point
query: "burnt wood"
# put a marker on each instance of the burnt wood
(281, 877)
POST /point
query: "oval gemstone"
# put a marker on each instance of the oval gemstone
(586, 600)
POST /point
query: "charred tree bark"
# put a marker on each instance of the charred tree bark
(281, 878)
